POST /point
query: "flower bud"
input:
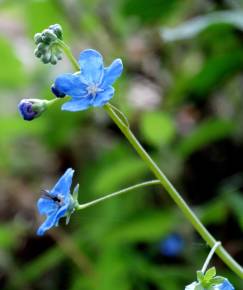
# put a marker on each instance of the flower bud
(47, 41)
(56, 92)
(57, 29)
(30, 109)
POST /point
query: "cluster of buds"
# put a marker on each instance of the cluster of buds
(48, 49)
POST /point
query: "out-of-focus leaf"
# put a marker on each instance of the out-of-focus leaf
(111, 268)
(214, 212)
(117, 173)
(157, 128)
(215, 71)
(12, 73)
(235, 200)
(196, 25)
(147, 227)
(150, 11)
(207, 132)
(7, 236)
(36, 268)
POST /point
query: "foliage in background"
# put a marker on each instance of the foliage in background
(184, 102)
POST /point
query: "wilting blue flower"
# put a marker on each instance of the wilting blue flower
(57, 93)
(92, 86)
(225, 285)
(172, 245)
(30, 109)
(57, 202)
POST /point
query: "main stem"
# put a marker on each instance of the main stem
(200, 228)
(189, 214)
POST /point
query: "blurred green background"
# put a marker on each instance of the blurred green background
(182, 92)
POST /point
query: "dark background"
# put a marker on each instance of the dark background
(182, 92)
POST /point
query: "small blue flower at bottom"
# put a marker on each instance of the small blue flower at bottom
(57, 202)
(225, 285)
(172, 245)
(92, 86)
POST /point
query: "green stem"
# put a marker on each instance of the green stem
(209, 257)
(66, 49)
(143, 184)
(189, 214)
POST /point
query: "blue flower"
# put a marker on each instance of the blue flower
(92, 86)
(172, 245)
(30, 109)
(57, 202)
(225, 285)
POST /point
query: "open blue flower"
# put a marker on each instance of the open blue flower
(57, 202)
(92, 86)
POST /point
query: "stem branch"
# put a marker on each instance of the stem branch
(209, 257)
(143, 184)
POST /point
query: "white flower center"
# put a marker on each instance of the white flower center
(93, 89)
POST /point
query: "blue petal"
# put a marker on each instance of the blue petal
(91, 66)
(75, 105)
(226, 285)
(63, 210)
(46, 206)
(47, 224)
(103, 97)
(112, 72)
(70, 84)
(63, 184)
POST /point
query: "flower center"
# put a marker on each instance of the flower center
(93, 89)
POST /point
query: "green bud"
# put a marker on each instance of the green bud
(53, 59)
(57, 29)
(46, 57)
(37, 38)
(37, 53)
(42, 47)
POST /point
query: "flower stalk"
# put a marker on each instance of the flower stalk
(174, 194)
(130, 188)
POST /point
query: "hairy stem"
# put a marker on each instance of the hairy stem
(136, 186)
(66, 49)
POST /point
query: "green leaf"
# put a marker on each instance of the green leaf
(209, 274)
(116, 173)
(157, 128)
(150, 11)
(148, 227)
(200, 276)
(235, 200)
(196, 25)
(207, 132)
